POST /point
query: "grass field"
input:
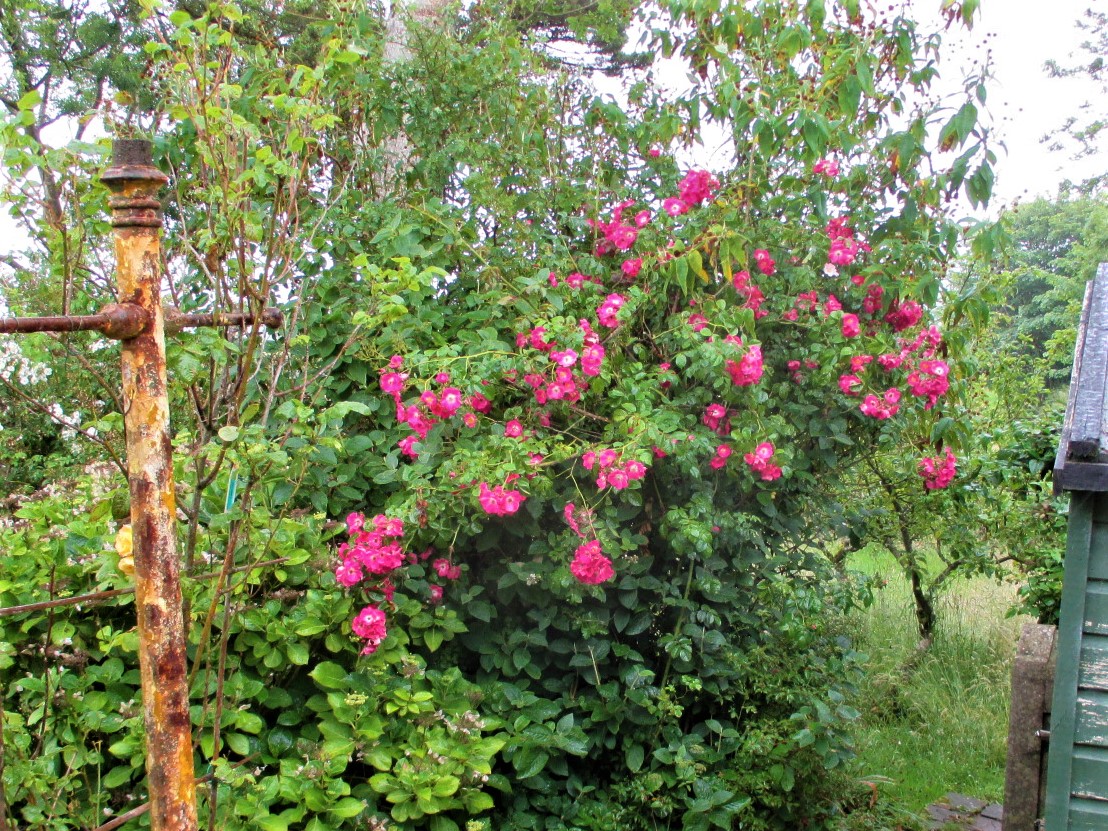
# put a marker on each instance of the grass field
(934, 722)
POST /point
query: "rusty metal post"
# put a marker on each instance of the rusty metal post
(137, 219)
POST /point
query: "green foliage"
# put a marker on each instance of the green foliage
(1056, 248)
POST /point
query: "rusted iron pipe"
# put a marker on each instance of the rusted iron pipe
(118, 321)
(136, 218)
(176, 320)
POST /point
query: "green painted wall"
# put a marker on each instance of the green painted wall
(1077, 769)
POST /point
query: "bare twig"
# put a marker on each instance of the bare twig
(99, 597)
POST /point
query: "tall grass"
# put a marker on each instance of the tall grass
(934, 721)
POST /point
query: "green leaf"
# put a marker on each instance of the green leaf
(298, 653)
(441, 823)
(272, 823)
(238, 743)
(635, 757)
(117, 777)
(446, 786)
(330, 676)
(347, 807)
(30, 100)
(477, 801)
(529, 761)
(433, 638)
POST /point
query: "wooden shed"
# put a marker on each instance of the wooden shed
(1077, 764)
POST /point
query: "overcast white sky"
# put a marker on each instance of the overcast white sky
(1024, 102)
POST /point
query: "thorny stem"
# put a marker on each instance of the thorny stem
(101, 596)
(221, 675)
(4, 826)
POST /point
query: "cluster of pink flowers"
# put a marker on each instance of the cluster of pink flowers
(750, 292)
(720, 457)
(826, 167)
(497, 501)
(431, 406)
(565, 385)
(761, 461)
(617, 234)
(373, 550)
(611, 470)
(844, 247)
(697, 187)
(715, 418)
(766, 264)
(938, 474)
(370, 626)
(930, 381)
(748, 369)
(904, 315)
(607, 311)
(590, 565)
(881, 408)
(874, 299)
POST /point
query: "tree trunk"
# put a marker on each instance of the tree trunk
(396, 150)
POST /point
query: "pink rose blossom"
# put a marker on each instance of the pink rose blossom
(590, 566)
(760, 461)
(393, 382)
(697, 186)
(722, 454)
(618, 479)
(764, 261)
(370, 626)
(674, 206)
(938, 475)
(497, 501)
(748, 370)
(851, 327)
(850, 384)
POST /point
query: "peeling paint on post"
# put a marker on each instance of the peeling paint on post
(136, 218)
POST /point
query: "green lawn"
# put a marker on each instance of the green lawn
(936, 721)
